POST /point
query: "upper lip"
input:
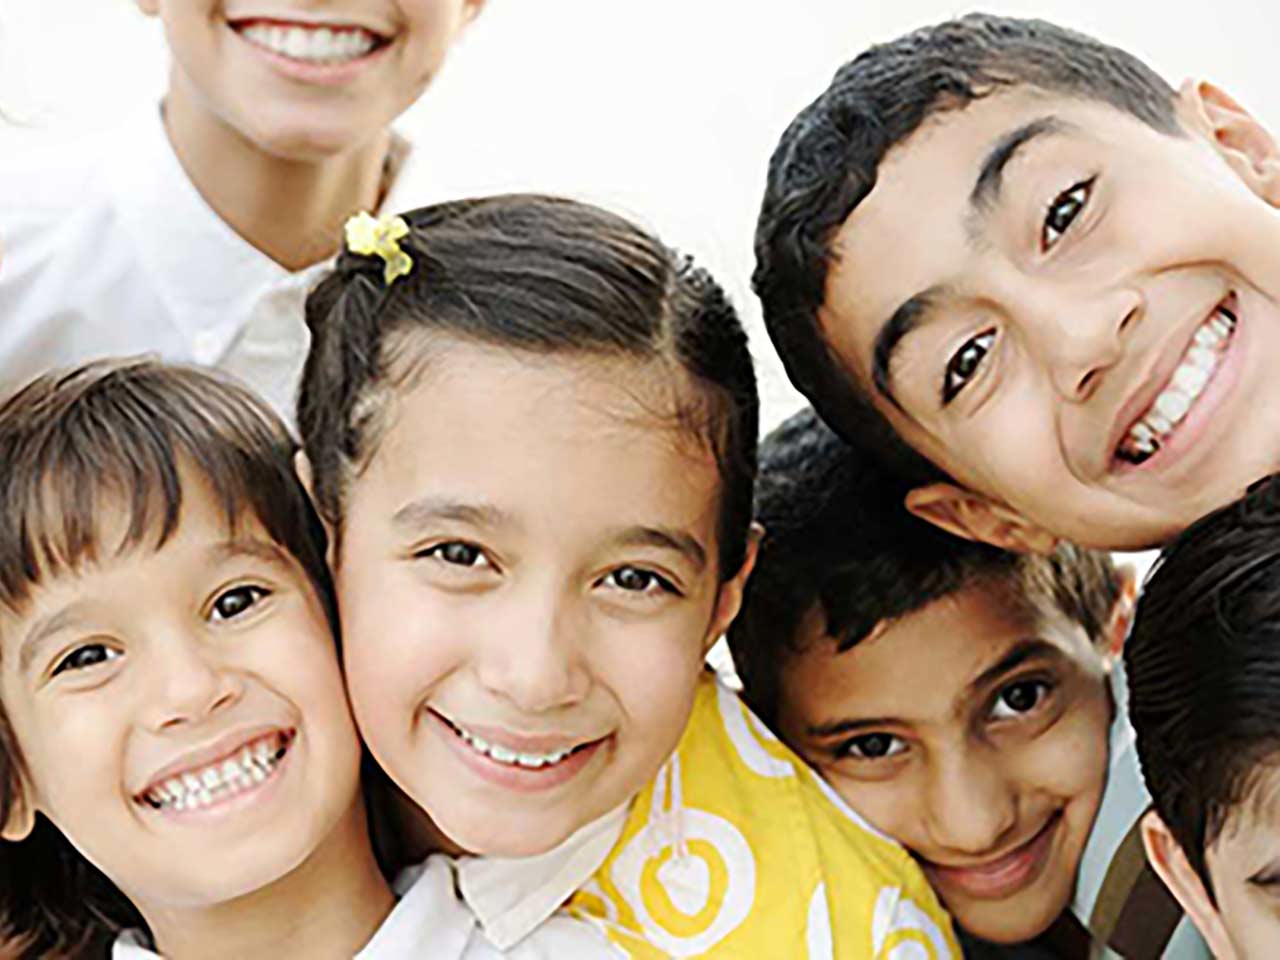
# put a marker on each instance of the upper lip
(223, 748)
(519, 742)
(998, 862)
(1160, 369)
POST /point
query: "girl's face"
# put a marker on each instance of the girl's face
(181, 712)
(528, 584)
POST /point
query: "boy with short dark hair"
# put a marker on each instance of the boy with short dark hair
(1034, 279)
(1204, 672)
(959, 697)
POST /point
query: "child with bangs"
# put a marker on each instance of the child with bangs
(964, 699)
(179, 772)
(530, 428)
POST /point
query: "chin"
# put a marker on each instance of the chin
(505, 836)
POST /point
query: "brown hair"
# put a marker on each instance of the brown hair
(75, 445)
(537, 274)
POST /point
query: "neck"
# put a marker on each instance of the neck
(403, 832)
(328, 907)
(290, 209)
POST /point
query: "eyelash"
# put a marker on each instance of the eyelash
(652, 579)
(456, 553)
(954, 379)
(1043, 687)
(256, 595)
(848, 748)
(66, 663)
(1064, 208)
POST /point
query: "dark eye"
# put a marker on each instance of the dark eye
(1018, 699)
(873, 746)
(639, 580)
(89, 655)
(964, 364)
(457, 554)
(1062, 212)
(234, 602)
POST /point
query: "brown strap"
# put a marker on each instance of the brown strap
(1134, 915)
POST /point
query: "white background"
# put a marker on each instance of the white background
(665, 110)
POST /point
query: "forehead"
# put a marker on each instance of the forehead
(593, 437)
(958, 636)
(914, 230)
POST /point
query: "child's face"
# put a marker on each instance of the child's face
(1244, 864)
(1039, 279)
(993, 779)
(181, 712)
(304, 80)
(528, 585)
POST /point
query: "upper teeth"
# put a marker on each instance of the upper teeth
(512, 757)
(312, 44)
(201, 787)
(1184, 387)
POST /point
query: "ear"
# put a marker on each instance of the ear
(1170, 864)
(149, 7)
(975, 517)
(302, 467)
(472, 9)
(22, 814)
(1244, 143)
(729, 600)
(1121, 619)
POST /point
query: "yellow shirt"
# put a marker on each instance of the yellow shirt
(737, 849)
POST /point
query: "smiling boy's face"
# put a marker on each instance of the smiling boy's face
(528, 585)
(181, 712)
(1072, 314)
(992, 781)
(305, 80)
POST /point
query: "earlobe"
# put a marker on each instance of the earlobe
(1121, 619)
(974, 517)
(1172, 867)
(149, 7)
(302, 467)
(1244, 143)
(729, 600)
(22, 816)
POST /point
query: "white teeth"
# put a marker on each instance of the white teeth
(1184, 388)
(532, 761)
(251, 766)
(324, 45)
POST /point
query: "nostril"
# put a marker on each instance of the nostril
(1087, 383)
(1128, 319)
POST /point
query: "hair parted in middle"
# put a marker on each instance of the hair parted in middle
(836, 535)
(827, 160)
(538, 274)
(1203, 665)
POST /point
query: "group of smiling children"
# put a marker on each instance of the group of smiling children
(430, 682)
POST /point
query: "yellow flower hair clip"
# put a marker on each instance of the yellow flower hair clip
(380, 236)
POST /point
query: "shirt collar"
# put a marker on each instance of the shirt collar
(427, 919)
(206, 274)
(513, 897)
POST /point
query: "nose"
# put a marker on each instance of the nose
(971, 806)
(535, 657)
(188, 684)
(1079, 337)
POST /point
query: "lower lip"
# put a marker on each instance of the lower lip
(319, 74)
(510, 777)
(1199, 419)
(235, 803)
(1010, 875)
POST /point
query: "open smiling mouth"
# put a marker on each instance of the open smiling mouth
(512, 758)
(242, 771)
(1203, 356)
(306, 43)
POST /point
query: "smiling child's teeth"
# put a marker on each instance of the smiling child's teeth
(532, 761)
(311, 44)
(252, 765)
(1184, 388)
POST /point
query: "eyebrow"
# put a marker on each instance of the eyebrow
(984, 196)
(40, 632)
(428, 509)
(664, 538)
(1028, 648)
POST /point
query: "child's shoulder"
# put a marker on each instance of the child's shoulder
(736, 849)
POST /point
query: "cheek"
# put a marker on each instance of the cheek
(892, 806)
(652, 673)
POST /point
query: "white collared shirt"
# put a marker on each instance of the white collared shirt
(108, 249)
(482, 908)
